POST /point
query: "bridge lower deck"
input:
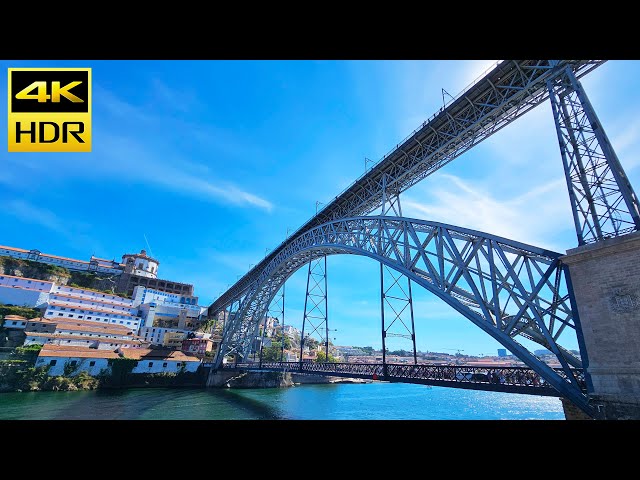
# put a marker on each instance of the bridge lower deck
(497, 379)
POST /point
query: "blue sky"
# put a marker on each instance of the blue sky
(214, 161)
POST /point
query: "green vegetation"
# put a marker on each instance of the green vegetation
(44, 271)
(366, 350)
(272, 353)
(29, 349)
(321, 358)
(26, 312)
(310, 342)
(121, 368)
(82, 280)
(401, 353)
(31, 269)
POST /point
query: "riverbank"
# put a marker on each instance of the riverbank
(228, 379)
(17, 377)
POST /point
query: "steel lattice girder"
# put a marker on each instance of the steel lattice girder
(506, 379)
(602, 199)
(315, 321)
(506, 288)
(508, 91)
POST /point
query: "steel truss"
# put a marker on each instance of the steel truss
(396, 301)
(602, 198)
(501, 379)
(316, 314)
(509, 289)
(508, 91)
(276, 310)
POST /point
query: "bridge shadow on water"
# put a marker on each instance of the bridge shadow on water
(160, 403)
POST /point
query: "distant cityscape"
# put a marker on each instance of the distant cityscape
(89, 312)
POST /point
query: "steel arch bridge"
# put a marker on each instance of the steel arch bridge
(507, 288)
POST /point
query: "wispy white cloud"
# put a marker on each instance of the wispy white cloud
(627, 144)
(165, 168)
(175, 98)
(73, 232)
(29, 213)
(534, 216)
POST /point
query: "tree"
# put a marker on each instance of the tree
(320, 358)
(279, 338)
(272, 353)
(310, 342)
(367, 350)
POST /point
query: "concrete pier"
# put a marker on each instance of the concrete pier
(606, 283)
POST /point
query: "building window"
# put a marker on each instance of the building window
(92, 363)
(60, 314)
(74, 363)
(79, 316)
(88, 318)
(150, 364)
(53, 362)
(70, 315)
(164, 365)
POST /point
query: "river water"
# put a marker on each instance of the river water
(372, 401)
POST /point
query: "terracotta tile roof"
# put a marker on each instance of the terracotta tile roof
(101, 339)
(101, 259)
(14, 317)
(152, 354)
(98, 328)
(69, 295)
(25, 278)
(20, 287)
(77, 352)
(13, 248)
(89, 309)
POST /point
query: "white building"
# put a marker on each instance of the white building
(93, 341)
(94, 361)
(80, 333)
(159, 361)
(140, 264)
(157, 335)
(93, 296)
(143, 294)
(24, 292)
(84, 359)
(290, 331)
(164, 313)
(14, 322)
(77, 303)
(94, 264)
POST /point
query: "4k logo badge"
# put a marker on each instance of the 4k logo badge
(49, 110)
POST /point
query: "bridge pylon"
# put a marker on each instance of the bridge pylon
(603, 268)
(315, 321)
(603, 202)
(396, 301)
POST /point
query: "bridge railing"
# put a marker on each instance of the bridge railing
(515, 376)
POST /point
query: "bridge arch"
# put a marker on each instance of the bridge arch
(504, 287)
